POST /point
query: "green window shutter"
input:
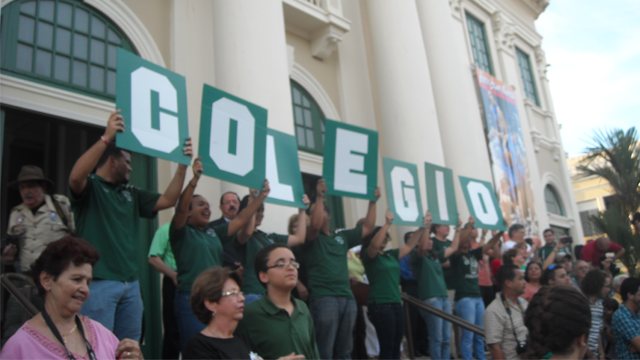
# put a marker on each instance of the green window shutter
(479, 44)
(63, 43)
(553, 202)
(527, 76)
(308, 120)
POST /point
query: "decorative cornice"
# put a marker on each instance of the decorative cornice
(538, 6)
(542, 142)
(456, 8)
(504, 31)
(325, 41)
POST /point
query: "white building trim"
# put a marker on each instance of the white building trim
(566, 220)
(312, 85)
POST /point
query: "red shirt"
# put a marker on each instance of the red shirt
(591, 254)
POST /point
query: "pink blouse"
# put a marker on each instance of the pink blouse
(529, 291)
(29, 343)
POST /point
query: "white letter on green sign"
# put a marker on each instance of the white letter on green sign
(404, 194)
(346, 142)
(232, 152)
(479, 194)
(278, 190)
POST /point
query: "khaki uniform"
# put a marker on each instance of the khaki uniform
(37, 231)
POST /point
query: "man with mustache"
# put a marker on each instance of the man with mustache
(39, 220)
(229, 205)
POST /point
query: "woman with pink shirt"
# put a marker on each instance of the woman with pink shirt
(532, 276)
(484, 272)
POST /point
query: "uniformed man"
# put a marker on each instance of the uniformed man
(38, 221)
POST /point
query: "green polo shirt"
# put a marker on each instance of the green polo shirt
(108, 216)
(465, 268)
(247, 255)
(429, 274)
(448, 272)
(196, 251)
(383, 272)
(275, 333)
(326, 260)
(161, 247)
(546, 250)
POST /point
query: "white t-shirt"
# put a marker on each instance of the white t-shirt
(510, 244)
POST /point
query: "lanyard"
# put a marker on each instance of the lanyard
(506, 307)
(56, 333)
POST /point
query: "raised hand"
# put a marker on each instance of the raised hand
(428, 218)
(266, 189)
(188, 150)
(377, 193)
(114, 124)
(472, 221)
(305, 200)
(388, 217)
(197, 168)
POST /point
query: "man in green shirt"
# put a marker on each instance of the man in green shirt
(550, 244)
(107, 214)
(331, 302)
(277, 323)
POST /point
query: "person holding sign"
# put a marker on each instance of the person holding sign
(331, 302)
(107, 212)
(250, 240)
(197, 246)
(469, 304)
(383, 271)
(427, 263)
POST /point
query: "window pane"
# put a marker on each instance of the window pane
(300, 136)
(82, 20)
(26, 29)
(79, 73)
(111, 82)
(45, 35)
(111, 58)
(96, 81)
(64, 14)
(308, 121)
(63, 41)
(43, 63)
(24, 58)
(310, 141)
(61, 68)
(80, 46)
(97, 27)
(298, 115)
(305, 101)
(97, 51)
(46, 10)
(28, 7)
(296, 96)
(113, 37)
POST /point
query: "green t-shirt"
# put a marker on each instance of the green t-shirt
(108, 216)
(196, 251)
(546, 251)
(160, 247)
(429, 274)
(465, 268)
(247, 255)
(448, 272)
(326, 260)
(275, 333)
(383, 273)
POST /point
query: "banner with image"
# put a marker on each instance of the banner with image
(403, 192)
(283, 170)
(508, 155)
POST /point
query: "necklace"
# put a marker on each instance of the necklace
(64, 337)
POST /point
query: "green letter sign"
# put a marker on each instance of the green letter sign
(441, 197)
(283, 170)
(482, 203)
(403, 192)
(153, 101)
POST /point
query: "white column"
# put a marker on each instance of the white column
(460, 121)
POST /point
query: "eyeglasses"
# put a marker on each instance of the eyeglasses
(282, 264)
(235, 293)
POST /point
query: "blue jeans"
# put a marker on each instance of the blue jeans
(388, 319)
(188, 323)
(249, 298)
(471, 309)
(116, 305)
(439, 330)
(334, 319)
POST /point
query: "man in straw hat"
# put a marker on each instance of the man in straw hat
(39, 220)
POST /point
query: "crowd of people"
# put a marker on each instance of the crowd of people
(231, 291)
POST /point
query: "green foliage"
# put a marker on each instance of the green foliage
(612, 222)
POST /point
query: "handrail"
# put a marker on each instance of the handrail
(32, 310)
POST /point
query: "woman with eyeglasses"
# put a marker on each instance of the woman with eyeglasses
(197, 247)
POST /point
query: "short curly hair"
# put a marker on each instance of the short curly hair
(208, 286)
(593, 282)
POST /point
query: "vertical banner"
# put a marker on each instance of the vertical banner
(153, 101)
(508, 155)
(441, 196)
(233, 138)
(482, 203)
(283, 170)
(403, 192)
(350, 160)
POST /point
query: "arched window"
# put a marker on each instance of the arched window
(554, 205)
(309, 120)
(64, 43)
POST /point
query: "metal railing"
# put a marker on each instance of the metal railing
(408, 300)
(5, 279)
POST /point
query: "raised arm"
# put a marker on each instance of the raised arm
(88, 161)
(370, 220)
(618, 254)
(552, 255)
(170, 196)
(247, 231)
(415, 238)
(301, 230)
(377, 240)
(424, 238)
(317, 212)
(182, 209)
(455, 244)
(496, 237)
(243, 218)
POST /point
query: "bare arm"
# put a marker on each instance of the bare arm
(370, 220)
(377, 240)
(496, 352)
(162, 267)
(411, 243)
(455, 244)
(171, 194)
(552, 255)
(182, 209)
(88, 161)
(635, 343)
(317, 213)
(618, 254)
(496, 237)
(424, 238)
(245, 233)
(243, 218)
(301, 230)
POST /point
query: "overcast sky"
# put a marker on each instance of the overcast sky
(593, 47)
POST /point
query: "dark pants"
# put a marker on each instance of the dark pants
(488, 295)
(171, 341)
(359, 335)
(388, 319)
(418, 325)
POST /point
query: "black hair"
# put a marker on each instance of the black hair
(513, 228)
(629, 286)
(190, 202)
(548, 230)
(636, 217)
(407, 236)
(555, 317)
(262, 259)
(507, 257)
(610, 304)
(549, 274)
(111, 151)
(243, 203)
(593, 282)
(228, 192)
(506, 272)
(526, 271)
(366, 242)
